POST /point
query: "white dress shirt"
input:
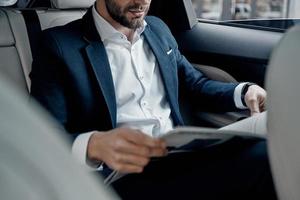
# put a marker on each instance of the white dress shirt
(140, 94)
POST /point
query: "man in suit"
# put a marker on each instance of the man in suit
(112, 78)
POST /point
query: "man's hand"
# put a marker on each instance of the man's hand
(125, 150)
(255, 99)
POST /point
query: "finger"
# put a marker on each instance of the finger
(127, 168)
(254, 107)
(131, 159)
(262, 107)
(131, 148)
(262, 104)
(158, 152)
(140, 138)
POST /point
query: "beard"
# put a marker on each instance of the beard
(119, 14)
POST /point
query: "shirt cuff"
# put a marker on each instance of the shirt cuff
(238, 96)
(79, 152)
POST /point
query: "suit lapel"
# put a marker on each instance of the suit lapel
(168, 74)
(99, 61)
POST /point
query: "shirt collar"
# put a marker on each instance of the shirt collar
(107, 31)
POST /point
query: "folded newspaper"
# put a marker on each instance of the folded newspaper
(202, 137)
(192, 138)
(252, 127)
(186, 139)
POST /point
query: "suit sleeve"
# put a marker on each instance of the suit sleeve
(47, 80)
(206, 93)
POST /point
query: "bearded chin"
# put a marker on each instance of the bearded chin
(119, 16)
(135, 23)
(124, 21)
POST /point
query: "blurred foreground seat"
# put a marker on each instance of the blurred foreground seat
(35, 162)
(283, 80)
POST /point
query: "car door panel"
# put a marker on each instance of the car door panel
(242, 52)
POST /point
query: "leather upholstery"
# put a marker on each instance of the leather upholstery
(15, 51)
(283, 115)
(215, 73)
(15, 54)
(51, 18)
(35, 158)
(7, 2)
(67, 4)
(6, 37)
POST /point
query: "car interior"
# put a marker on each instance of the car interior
(222, 52)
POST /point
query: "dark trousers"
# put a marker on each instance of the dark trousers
(236, 169)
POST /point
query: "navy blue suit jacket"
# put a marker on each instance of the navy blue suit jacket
(71, 76)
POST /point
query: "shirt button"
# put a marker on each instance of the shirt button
(141, 77)
(144, 103)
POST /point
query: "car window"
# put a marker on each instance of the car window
(275, 14)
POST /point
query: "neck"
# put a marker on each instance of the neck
(102, 10)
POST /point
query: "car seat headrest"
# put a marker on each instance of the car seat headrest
(68, 4)
(7, 2)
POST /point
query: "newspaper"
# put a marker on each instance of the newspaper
(182, 136)
(187, 138)
(254, 127)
